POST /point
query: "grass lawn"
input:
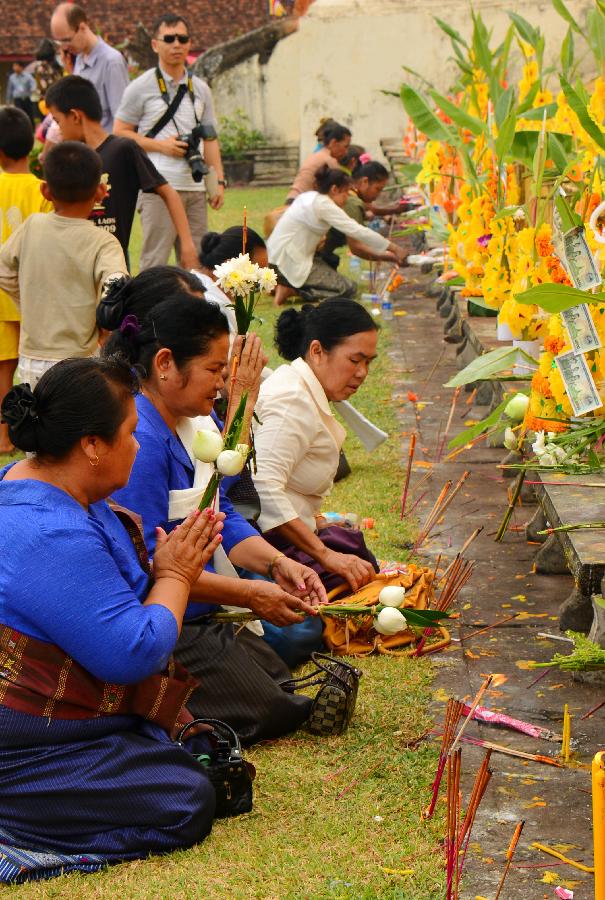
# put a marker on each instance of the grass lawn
(332, 814)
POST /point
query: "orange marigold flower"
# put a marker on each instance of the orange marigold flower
(535, 423)
(541, 385)
(554, 345)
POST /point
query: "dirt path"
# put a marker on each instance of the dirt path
(555, 803)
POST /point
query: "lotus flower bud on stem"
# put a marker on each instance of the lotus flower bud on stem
(389, 621)
(230, 462)
(392, 595)
(516, 408)
(207, 445)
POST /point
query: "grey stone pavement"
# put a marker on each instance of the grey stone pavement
(555, 803)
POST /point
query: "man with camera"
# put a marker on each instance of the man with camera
(169, 114)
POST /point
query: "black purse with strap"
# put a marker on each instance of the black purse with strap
(230, 774)
(335, 700)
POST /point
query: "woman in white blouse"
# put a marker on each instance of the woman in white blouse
(298, 439)
(298, 233)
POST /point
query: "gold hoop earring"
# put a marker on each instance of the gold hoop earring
(94, 463)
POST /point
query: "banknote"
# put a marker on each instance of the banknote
(578, 381)
(581, 328)
(579, 261)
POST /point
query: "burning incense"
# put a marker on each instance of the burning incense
(482, 780)
(408, 473)
(474, 705)
(245, 231)
(453, 711)
(509, 856)
(456, 577)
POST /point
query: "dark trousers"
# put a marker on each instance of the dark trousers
(27, 106)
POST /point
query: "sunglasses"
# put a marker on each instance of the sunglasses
(171, 38)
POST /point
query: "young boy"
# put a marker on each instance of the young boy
(55, 265)
(75, 105)
(20, 196)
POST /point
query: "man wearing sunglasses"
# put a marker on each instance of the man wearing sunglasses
(157, 108)
(86, 54)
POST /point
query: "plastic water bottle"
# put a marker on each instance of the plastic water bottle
(386, 307)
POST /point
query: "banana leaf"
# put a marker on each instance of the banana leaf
(555, 298)
(491, 363)
(565, 14)
(579, 107)
(469, 434)
(423, 116)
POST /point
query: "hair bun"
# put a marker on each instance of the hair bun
(112, 307)
(20, 413)
(289, 331)
(210, 241)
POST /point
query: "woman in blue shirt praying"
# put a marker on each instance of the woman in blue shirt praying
(89, 694)
(180, 347)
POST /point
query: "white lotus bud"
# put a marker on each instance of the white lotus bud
(516, 408)
(392, 595)
(389, 621)
(207, 445)
(230, 462)
(510, 439)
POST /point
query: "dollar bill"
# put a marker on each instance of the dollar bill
(581, 328)
(579, 383)
(579, 261)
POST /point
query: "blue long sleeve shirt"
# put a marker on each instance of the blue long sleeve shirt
(72, 577)
(163, 465)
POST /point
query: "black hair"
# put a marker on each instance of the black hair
(326, 122)
(74, 398)
(72, 171)
(75, 15)
(46, 51)
(330, 323)
(75, 92)
(335, 132)
(16, 133)
(184, 324)
(351, 158)
(373, 171)
(169, 19)
(326, 178)
(137, 296)
(218, 248)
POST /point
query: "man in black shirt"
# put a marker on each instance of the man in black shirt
(75, 105)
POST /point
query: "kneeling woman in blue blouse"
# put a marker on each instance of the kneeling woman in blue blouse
(89, 694)
(180, 348)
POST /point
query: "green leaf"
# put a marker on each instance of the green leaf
(525, 144)
(503, 106)
(410, 171)
(423, 116)
(508, 211)
(210, 492)
(537, 114)
(529, 34)
(567, 52)
(451, 32)
(569, 219)
(565, 13)
(459, 116)
(580, 109)
(596, 33)
(491, 363)
(555, 298)
(469, 434)
(556, 151)
(506, 135)
(234, 432)
(529, 99)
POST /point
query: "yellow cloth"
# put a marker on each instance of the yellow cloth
(9, 340)
(20, 196)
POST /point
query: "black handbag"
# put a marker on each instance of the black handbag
(230, 774)
(335, 700)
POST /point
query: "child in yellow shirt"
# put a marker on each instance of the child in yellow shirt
(20, 196)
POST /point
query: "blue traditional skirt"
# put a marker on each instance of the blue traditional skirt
(78, 794)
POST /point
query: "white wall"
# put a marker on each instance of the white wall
(347, 51)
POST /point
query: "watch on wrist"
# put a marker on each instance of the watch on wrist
(222, 181)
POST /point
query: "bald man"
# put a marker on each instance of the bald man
(94, 60)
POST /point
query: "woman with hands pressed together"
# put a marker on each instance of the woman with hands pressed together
(90, 697)
(180, 347)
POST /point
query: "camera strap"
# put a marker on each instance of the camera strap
(171, 105)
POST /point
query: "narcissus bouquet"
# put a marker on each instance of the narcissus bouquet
(226, 452)
(244, 281)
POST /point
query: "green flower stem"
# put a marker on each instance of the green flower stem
(210, 492)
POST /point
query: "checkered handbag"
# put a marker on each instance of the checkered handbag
(335, 700)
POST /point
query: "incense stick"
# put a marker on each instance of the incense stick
(508, 751)
(488, 627)
(593, 710)
(453, 711)
(509, 856)
(245, 231)
(408, 473)
(474, 704)
(566, 742)
(449, 424)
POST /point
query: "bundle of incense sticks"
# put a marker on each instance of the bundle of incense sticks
(453, 711)
(482, 779)
(442, 502)
(454, 802)
(456, 577)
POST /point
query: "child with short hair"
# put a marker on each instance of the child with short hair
(55, 266)
(20, 197)
(76, 107)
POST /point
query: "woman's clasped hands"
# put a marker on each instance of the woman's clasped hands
(183, 554)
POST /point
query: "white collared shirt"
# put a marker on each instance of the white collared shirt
(297, 445)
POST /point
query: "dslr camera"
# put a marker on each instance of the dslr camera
(192, 154)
